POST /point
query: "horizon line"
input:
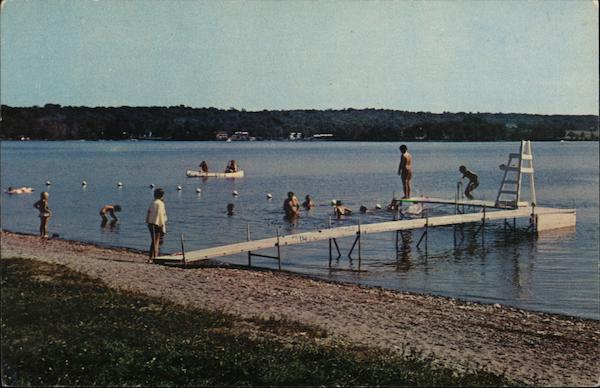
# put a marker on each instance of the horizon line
(297, 109)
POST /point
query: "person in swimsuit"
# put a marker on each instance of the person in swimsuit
(45, 213)
(405, 170)
(473, 181)
(111, 210)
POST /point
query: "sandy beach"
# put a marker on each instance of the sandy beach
(532, 347)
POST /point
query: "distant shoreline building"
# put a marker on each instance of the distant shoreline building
(322, 136)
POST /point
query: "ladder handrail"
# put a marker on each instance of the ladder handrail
(522, 167)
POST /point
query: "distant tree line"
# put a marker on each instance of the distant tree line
(57, 122)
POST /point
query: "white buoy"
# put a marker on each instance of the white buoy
(151, 185)
(83, 183)
(48, 183)
(235, 193)
(269, 196)
(378, 206)
(178, 187)
(333, 202)
(119, 184)
(198, 190)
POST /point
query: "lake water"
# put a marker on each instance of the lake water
(556, 272)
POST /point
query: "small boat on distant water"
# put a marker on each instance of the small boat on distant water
(200, 174)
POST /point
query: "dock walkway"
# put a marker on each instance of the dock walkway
(544, 219)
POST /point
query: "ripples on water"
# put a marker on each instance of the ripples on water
(557, 272)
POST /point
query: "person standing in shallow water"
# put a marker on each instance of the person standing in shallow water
(405, 170)
(291, 205)
(45, 213)
(156, 218)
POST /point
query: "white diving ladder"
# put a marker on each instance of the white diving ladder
(509, 194)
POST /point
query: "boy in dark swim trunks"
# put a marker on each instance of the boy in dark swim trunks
(405, 170)
(473, 181)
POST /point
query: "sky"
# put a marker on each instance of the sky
(457, 56)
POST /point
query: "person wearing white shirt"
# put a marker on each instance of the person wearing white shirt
(156, 218)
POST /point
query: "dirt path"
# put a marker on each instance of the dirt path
(536, 348)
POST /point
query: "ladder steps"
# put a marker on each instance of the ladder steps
(510, 188)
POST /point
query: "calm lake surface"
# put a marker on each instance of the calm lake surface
(556, 272)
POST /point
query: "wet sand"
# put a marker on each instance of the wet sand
(531, 347)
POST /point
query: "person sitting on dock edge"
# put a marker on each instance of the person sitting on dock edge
(473, 181)
(394, 205)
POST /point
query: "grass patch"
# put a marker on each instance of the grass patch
(60, 327)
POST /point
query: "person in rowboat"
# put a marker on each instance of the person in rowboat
(203, 166)
(473, 181)
(232, 166)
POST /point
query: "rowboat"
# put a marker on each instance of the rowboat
(200, 174)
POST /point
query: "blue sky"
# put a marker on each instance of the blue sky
(520, 56)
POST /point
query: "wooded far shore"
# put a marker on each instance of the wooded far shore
(56, 122)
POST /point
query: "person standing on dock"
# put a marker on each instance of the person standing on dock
(156, 218)
(473, 181)
(405, 170)
(45, 213)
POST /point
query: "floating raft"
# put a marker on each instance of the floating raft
(200, 174)
(544, 219)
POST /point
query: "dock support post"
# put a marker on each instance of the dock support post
(330, 246)
(532, 225)
(356, 241)
(183, 252)
(424, 235)
(359, 256)
(483, 227)
(249, 252)
(278, 251)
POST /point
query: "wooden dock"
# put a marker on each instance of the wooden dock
(541, 218)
